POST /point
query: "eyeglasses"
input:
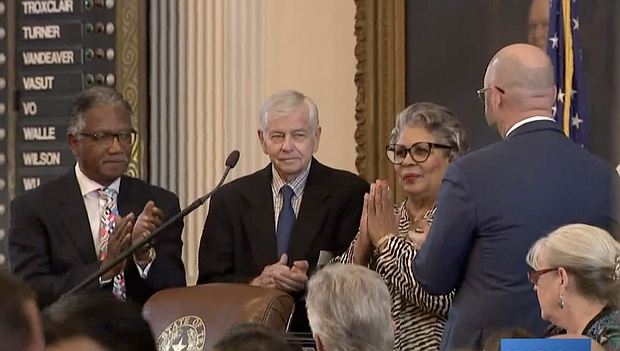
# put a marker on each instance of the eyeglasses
(481, 92)
(533, 276)
(419, 152)
(125, 138)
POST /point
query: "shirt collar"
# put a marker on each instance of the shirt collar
(88, 185)
(296, 184)
(528, 120)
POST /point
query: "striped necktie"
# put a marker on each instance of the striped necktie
(108, 220)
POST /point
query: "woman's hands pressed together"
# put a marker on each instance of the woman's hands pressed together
(382, 219)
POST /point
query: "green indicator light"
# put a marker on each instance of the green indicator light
(90, 80)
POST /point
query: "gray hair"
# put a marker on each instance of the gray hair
(438, 120)
(283, 103)
(349, 308)
(589, 253)
(94, 97)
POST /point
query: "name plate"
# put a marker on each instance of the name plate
(50, 32)
(546, 344)
(45, 158)
(38, 58)
(30, 182)
(49, 7)
(43, 132)
(45, 106)
(65, 82)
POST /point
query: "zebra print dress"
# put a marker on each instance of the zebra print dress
(419, 316)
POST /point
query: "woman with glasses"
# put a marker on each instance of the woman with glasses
(576, 277)
(422, 144)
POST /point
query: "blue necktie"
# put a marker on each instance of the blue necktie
(286, 220)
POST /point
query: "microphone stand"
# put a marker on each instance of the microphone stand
(135, 247)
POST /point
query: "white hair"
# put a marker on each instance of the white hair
(589, 253)
(283, 103)
(349, 309)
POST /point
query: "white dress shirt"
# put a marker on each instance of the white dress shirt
(618, 169)
(528, 120)
(95, 206)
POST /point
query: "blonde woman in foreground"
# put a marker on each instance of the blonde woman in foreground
(577, 280)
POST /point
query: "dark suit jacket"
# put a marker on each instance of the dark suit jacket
(239, 239)
(493, 205)
(52, 248)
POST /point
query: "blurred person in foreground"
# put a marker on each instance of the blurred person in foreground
(20, 321)
(425, 139)
(253, 337)
(496, 202)
(577, 280)
(96, 322)
(349, 309)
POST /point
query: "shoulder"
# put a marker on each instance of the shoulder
(338, 178)
(140, 186)
(49, 190)
(242, 185)
(606, 329)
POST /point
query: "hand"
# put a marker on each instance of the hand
(293, 280)
(150, 218)
(265, 279)
(119, 241)
(362, 249)
(419, 236)
(381, 217)
(364, 238)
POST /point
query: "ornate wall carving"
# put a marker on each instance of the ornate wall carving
(380, 81)
(131, 80)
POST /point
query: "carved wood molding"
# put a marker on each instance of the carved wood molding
(380, 82)
(131, 66)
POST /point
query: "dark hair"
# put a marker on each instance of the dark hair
(91, 98)
(15, 325)
(494, 342)
(253, 337)
(114, 325)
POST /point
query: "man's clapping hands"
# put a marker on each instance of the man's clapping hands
(282, 277)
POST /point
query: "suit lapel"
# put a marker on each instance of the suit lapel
(311, 214)
(127, 200)
(258, 220)
(74, 217)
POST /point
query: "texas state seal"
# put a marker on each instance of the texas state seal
(185, 334)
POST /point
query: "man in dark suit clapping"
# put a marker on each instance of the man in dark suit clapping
(496, 202)
(268, 228)
(65, 230)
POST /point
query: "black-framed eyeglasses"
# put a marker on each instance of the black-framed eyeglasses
(125, 138)
(419, 152)
(533, 276)
(482, 92)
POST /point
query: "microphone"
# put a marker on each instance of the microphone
(231, 162)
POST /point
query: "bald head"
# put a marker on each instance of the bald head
(525, 71)
(519, 84)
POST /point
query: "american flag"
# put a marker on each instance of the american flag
(564, 49)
